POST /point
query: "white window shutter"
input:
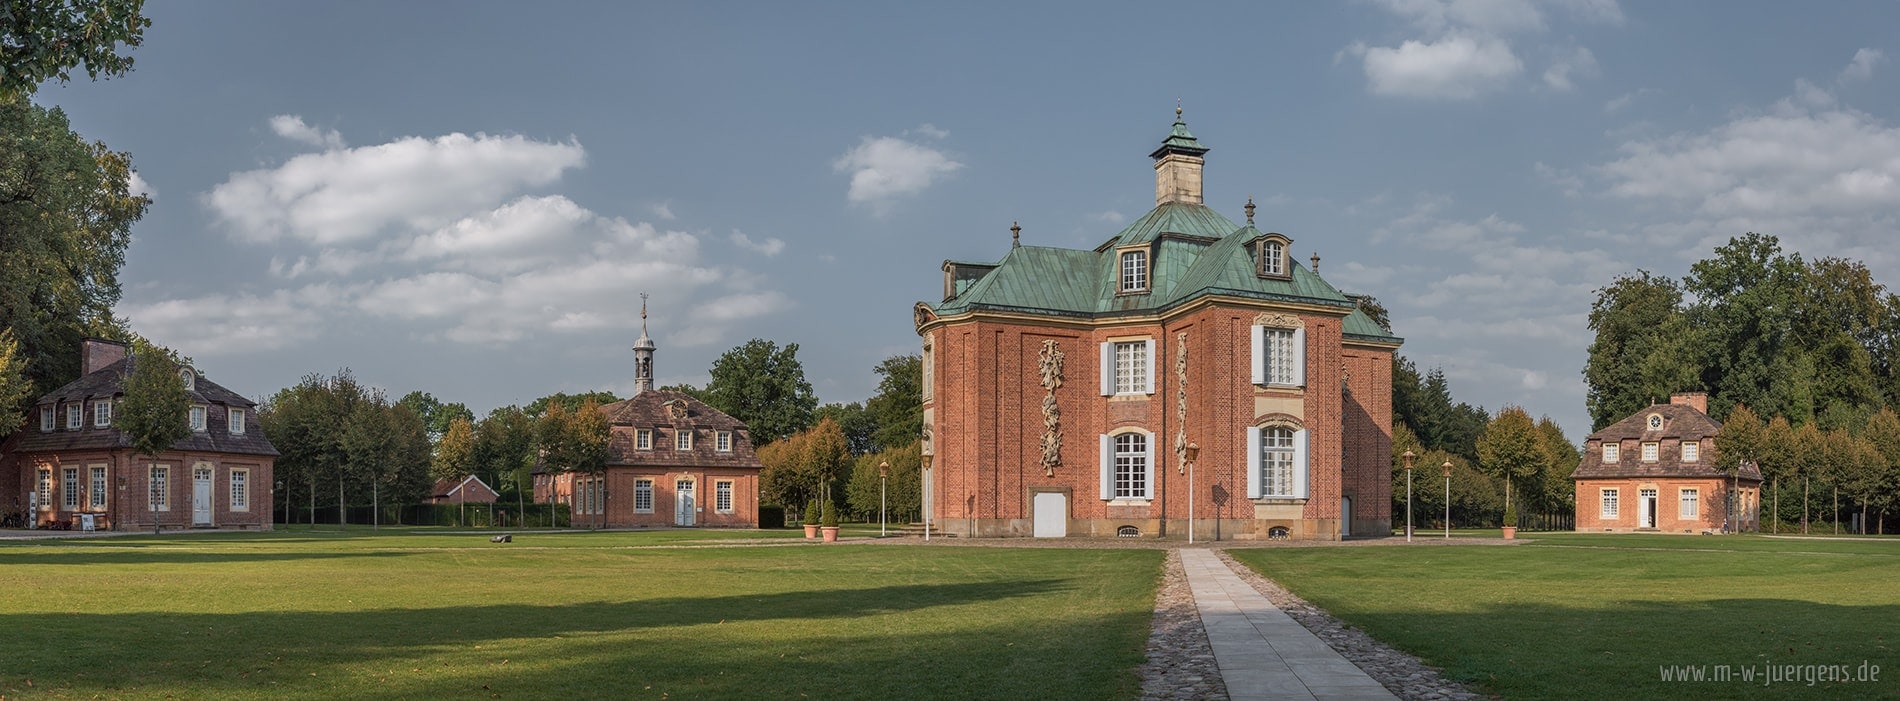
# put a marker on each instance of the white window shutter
(1108, 368)
(1302, 459)
(1108, 467)
(1152, 361)
(1299, 355)
(1253, 461)
(1149, 478)
(1259, 355)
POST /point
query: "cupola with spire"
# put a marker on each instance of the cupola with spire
(1178, 165)
(643, 353)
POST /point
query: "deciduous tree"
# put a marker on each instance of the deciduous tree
(455, 453)
(42, 40)
(1510, 449)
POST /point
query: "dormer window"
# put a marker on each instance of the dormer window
(1611, 452)
(46, 418)
(75, 417)
(190, 380)
(197, 417)
(1271, 252)
(1134, 271)
(683, 439)
(234, 421)
(102, 414)
(643, 439)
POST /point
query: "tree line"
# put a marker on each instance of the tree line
(1799, 360)
(1501, 465)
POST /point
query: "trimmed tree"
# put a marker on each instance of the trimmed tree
(153, 414)
(1511, 448)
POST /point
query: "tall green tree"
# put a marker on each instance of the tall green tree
(370, 450)
(306, 423)
(153, 413)
(1511, 449)
(504, 450)
(1556, 491)
(66, 215)
(764, 386)
(1745, 298)
(898, 407)
(1644, 347)
(901, 493)
(569, 402)
(43, 40)
(15, 388)
(1740, 441)
(860, 428)
(1883, 437)
(813, 464)
(588, 433)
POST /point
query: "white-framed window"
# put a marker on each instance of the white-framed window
(46, 418)
(240, 489)
(1611, 452)
(234, 420)
(683, 439)
(1652, 451)
(1134, 271)
(643, 496)
(160, 498)
(197, 415)
(722, 441)
(722, 496)
(1691, 451)
(1610, 507)
(1273, 258)
(643, 439)
(1127, 465)
(1128, 367)
(1276, 462)
(102, 413)
(75, 416)
(190, 380)
(1690, 503)
(46, 489)
(98, 487)
(1279, 356)
(69, 488)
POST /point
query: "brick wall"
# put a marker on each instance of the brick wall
(129, 489)
(1711, 504)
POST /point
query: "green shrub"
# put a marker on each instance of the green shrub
(831, 515)
(771, 516)
(811, 513)
(1510, 514)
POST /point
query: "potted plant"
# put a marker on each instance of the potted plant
(830, 526)
(1510, 521)
(811, 519)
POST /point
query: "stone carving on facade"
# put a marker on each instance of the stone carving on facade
(1278, 320)
(1049, 366)
(921, 314)
(1180, 402)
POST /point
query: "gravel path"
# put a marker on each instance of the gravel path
(1180, 660)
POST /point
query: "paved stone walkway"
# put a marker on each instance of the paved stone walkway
(1262, 652)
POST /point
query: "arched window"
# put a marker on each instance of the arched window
(1277, 462)
(1127, 465)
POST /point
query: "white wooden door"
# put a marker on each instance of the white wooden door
(1052, 515)
(201, 495)
(684, 507)
(1648, 507)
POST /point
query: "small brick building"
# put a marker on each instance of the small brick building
(672, 460)
(467, 489)
(1655, 471)
(1063, 388)
(70, 462)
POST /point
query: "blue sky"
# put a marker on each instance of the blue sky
(468, 198)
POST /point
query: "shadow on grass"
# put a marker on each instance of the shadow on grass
(130, 554)
(1554, 651)
(253, 653)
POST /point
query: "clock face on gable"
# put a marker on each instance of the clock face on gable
(1655, 422)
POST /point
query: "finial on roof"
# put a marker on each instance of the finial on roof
(1250, 210)
(1316, 262)
(1015, 235)
(643, 313)
(1177, 108)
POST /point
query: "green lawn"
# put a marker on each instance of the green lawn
(1578, 616)
(429, 613)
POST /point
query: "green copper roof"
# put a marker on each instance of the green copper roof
(1175, 218)
(1360, 326)
(1179, 140)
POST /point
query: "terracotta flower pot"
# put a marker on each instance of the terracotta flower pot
(831, 533)
(811, 531)
(1510, 532)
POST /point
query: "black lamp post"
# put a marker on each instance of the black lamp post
(1447, 468)
(1408, 457)
(883, 477)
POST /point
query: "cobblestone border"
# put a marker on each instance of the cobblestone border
(1180, 659)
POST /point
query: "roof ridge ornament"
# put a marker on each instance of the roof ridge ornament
(1315, 262)
(1015, 234)
(1249, 210)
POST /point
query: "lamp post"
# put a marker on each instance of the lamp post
(1193, 452)
(883, 475)
(1447, 468)
(1408, 457)
(925, 507)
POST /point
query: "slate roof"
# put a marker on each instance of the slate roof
(1680, 422)
(109, 382)
(478, 492)
(651, 409)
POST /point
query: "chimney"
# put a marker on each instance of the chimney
(96, 353)
(1696, 400)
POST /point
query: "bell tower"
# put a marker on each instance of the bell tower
(643, 353)
(1178, 165)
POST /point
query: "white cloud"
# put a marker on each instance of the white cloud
(663, 210)
(352, 194)
(885, 168)
(292, 127)
(931, 130)
(1862, 67)
(1451, 68)
(138, 186)
(767, 247)
(1465, 46)
(1618, 103)
(1578, 62)
(225, 324)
